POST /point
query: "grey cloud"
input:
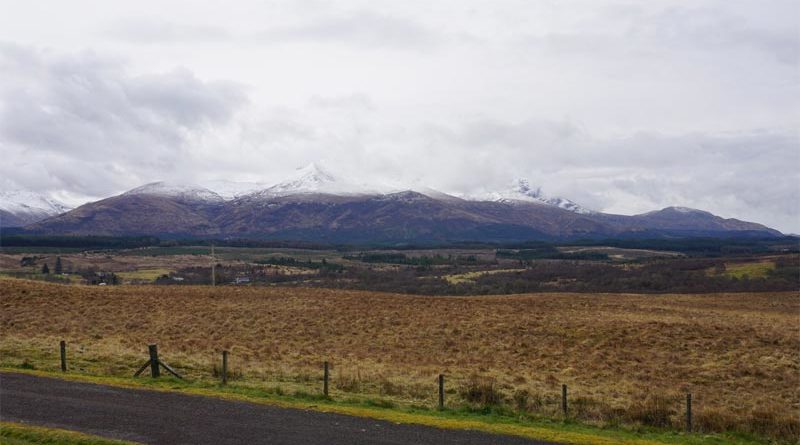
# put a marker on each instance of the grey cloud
(149, 31)
(81, 112)
(349, 101)
(697, 27)
(186, 99)
(691, 27)
(725, 173)
(363, 29)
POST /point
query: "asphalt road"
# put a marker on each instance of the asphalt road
(168, 418)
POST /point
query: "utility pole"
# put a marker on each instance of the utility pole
(213, 267)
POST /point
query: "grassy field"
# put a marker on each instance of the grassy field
(757, 269)
(471, 276)
(628, 359)
(143, 275)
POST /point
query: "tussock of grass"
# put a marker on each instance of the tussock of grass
(20, 434)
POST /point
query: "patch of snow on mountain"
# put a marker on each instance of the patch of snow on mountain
(435, 194)
(684, 209)
(27, 202)
(521, 191)
(312, 179)
(677, 209)
(232, 189)
(181, 191)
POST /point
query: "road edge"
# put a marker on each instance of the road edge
(535, 432)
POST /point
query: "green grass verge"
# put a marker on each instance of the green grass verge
(20, 434)
(488, 420)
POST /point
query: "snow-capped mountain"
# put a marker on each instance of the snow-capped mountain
(521, 191)
(677, 210)
(233, 189)
(183, 192)
(316, 205)
(312, 179)
(21, 207)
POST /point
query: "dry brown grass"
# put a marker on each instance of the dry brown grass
(626, 358)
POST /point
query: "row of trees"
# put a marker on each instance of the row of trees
(59, 267)
(691, 275)
(89, 275)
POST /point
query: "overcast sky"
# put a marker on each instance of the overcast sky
(621, 106)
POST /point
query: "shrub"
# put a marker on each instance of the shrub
(714, 420)
(388, 388)
(655, 410)
(521, 399)
(588, 408)
(774, 422)
(481, 391)
(233, 373)
(348, 383)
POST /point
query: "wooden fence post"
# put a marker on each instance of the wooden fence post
(325, 376)
(688, 412)
(441, 391)
(63, 345)
(564, 400)
(153, 362)
(154, 370)
(224, 367)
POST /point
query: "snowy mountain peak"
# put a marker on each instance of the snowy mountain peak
(684, 209)
(312, 176)
(677, 209)
(522, 191)
(21, 207)
(232, 189)
(181, 191)
(25, 201)
(313, 179)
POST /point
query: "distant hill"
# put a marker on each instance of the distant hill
(314, 205)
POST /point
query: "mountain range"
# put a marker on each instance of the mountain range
(315, 205)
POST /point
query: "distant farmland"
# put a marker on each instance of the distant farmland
(627, 358)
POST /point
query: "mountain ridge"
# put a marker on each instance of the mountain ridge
(315, 205)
